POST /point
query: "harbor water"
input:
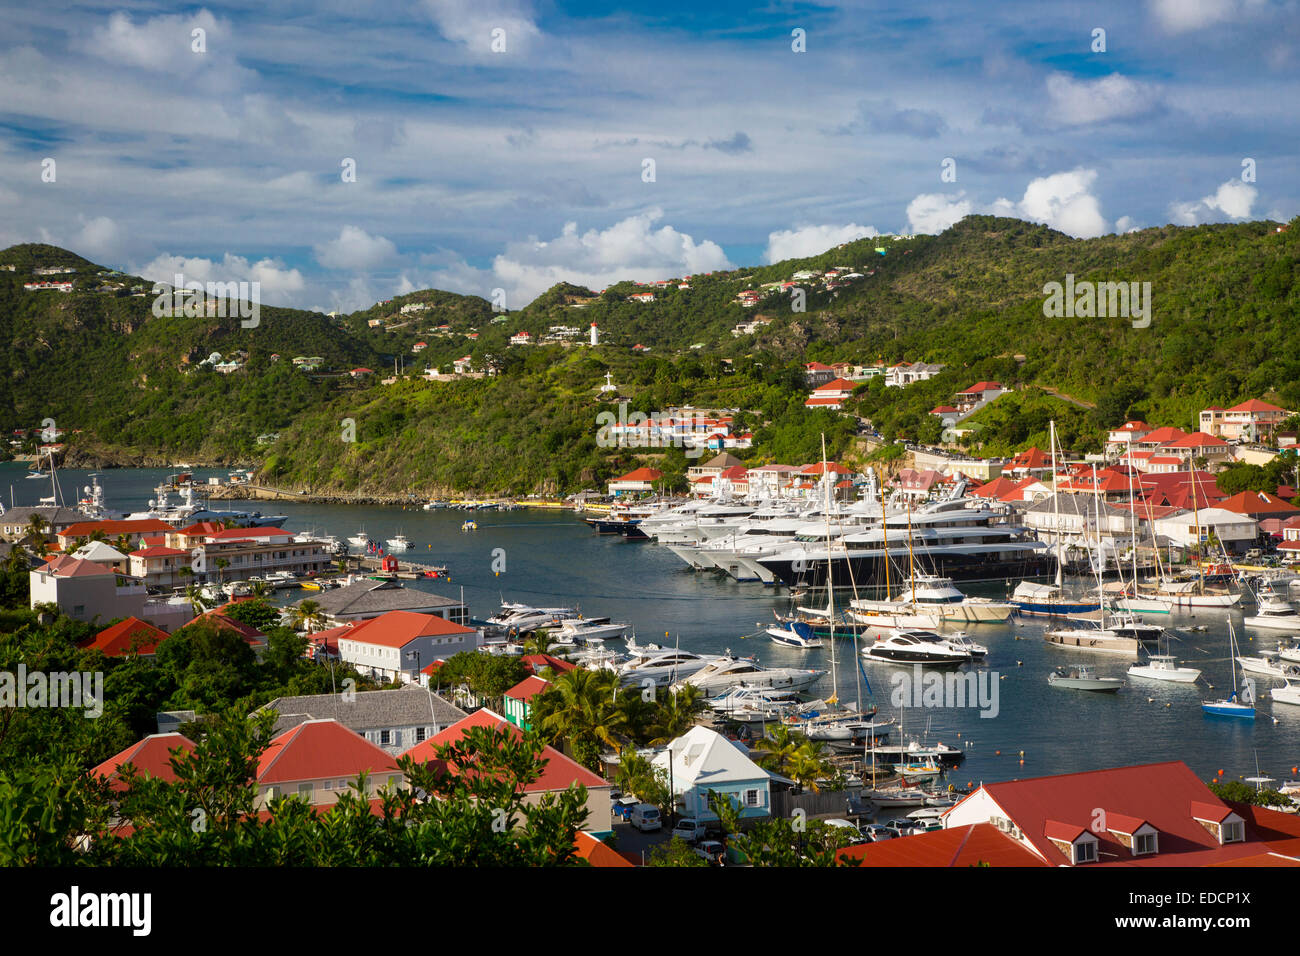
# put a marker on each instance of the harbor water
(552, 558)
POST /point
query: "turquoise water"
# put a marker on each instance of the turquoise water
(554, 559)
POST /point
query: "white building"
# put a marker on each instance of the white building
(702, 760)
(1236, 532)
(398, 644)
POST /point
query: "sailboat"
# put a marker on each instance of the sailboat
(1044, 600)
(1235, 705)
(1133, 599)
(891, 613)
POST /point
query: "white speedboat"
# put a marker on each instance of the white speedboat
(1166, 668)
(1265, 665)
(795, 634)
(590, 630)
(398, 543)
(1082, 677)
(359, 540)
(663, 666)
(524, 617)
(1274, 614)
(1096, 639)
(938, 595)
(1290, 692)
(717, 675)
(920, 647)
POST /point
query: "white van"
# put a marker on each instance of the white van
(645, 817)
(690, 829)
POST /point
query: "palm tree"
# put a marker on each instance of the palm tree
(306, 615)
(779, 749)
(539, 643)
(260, 590)
(676, 713)
(222, 564)
(194, 594)
(36, 526)
(579, 708)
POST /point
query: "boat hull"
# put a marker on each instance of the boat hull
(868, 571)
(1082, 641)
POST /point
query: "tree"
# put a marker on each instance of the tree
(676, 852)
(637, 775)
(307, 615)
(579, 709)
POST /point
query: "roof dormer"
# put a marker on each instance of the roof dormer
(1133, 832)
(1076, 842)
(1220, 821)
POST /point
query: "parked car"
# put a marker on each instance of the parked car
(646, 817)
(623, 807)
(690, 829)
(712, 850)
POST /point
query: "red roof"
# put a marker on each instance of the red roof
(970, 845)
(151, 757)
(1255, 405)
(982, 387)
(559, 773)
(942, 409)
(528, 688)
(597, 853)
(1256, 503)
(734, 473)
(813, 402)
(158, 551)
(66, 566)
(834, 467)
(836, 385)
(84, 529)
(130, 635)
(1134, 426)
(250, 634)
(1195, 440)
(321, 750)
(1166, 795)
(200, 528)
(1032, 457)
(536, 662)
(641, 474)
(1162, 435)
(818, 367)
(238, 534)
(996, 488)
(399, 628)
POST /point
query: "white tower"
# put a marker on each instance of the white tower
(593, 333)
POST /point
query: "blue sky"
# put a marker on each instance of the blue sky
(479, 169)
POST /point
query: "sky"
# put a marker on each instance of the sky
(339, 152)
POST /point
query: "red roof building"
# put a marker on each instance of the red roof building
(128, 636)
(1259, 504)
(977, 844)
(151, 757)
(319, 759)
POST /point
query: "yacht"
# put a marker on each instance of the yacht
(583, 630)
(717, 675)
(754, 704)
(795, 634)
(957, 538)
(923, 647)
(942, 597)
(1290, 693)
(891, 614)
(524, 617)
(1097, 639)
(1274, 614)
(664, 666)
(398, 543)
(359, 540)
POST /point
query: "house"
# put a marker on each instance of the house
(419, 347)
(978, 395)
(1236, 532)
(838, 388)
(635, 481)
(641, 297)
(1251, 421)
(1120, 440)
(105, 554)
(1031, 461)
(128, 637)
(361, 372)
(518, 700)
(15, 523)
(84, 590)
(135, 530)
(1156, 814)
(903, 374)
(368, 599)
(392, 645)
(558, 774)
(317, 760)
(1154, 439)
(521, 338)
(1259, 505)
(394, 720)
(159, 566)
(463, 365)
(702, 760)
(1198, 445)
(817, 374)
(151, 757)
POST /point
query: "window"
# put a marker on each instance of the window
(1234, 832)
(385, 737)
(1085, 852)
(305, 791)
(1144, 843)
(751, 798)
(420, 734)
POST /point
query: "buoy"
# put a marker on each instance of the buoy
(997, 753)
(1220, 773)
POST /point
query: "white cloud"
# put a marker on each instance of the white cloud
(629, 249)
(1126, 224)
(1179, 16)
(99, 238)
(1233, 198)
(1079, 102)
(278, 284)
(355, 250)
(1063, 201)
(471, 23)
(931, 213)
(812, 240)
(164, 43)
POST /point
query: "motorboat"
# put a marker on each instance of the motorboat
(665, 666)
(921, 647)
(938, 595)
(924, 767)
(359, 540)
(1265, 665)
(398, 543)
(1083, 677)
(795, 634)
(1164, 667)
(885, 615)
(1290, 692)
(719, 674)
(1274, 614)
(589, 630)
(524, 617)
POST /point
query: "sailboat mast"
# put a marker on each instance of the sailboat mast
(1056, 504)
(1132, 508)
(1196, 517)
(884, 530)
(911, 563)
(830, 589)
